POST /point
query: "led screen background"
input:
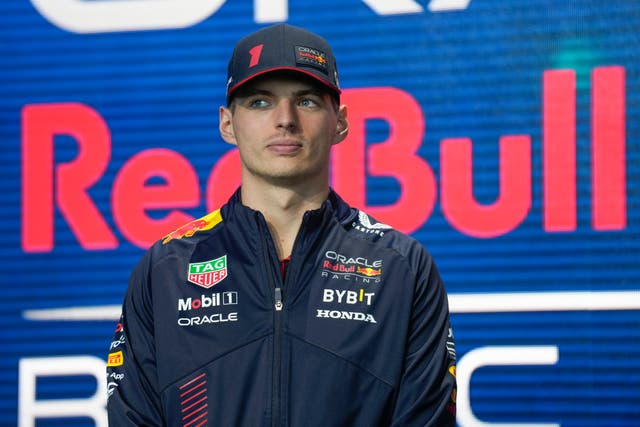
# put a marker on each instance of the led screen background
(539, 249)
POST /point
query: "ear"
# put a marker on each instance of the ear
(226, 126)
(342, 125)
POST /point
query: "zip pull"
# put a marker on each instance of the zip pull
(278, 295)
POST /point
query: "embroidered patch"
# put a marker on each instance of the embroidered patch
(208, 273)
(311, 57)
(207, 222)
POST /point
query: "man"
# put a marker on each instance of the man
(285, 307)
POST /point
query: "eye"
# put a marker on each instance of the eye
(258, 103)
(308, 102)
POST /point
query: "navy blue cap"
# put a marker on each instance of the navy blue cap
(282, 47)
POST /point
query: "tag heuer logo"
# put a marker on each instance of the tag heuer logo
(208, 273)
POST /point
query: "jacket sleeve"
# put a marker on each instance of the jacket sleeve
(427, 392)
(132, 386)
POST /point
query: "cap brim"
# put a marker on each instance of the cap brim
(233, 88)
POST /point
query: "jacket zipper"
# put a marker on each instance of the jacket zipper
(277, 357)
(278, 297)
(276, 285)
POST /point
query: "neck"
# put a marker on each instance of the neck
(283, 209)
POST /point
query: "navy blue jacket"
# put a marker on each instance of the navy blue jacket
(357, 333)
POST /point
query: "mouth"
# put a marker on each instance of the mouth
(284, 146)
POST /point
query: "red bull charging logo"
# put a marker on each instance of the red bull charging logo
(205, 223)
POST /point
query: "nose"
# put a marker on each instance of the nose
(286, 115)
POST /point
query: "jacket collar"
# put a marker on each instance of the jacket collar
(333, 206)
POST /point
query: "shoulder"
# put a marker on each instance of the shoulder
(386, 238)
(182, 241)
(188, 230)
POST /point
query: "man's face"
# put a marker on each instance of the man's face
(284, 126)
